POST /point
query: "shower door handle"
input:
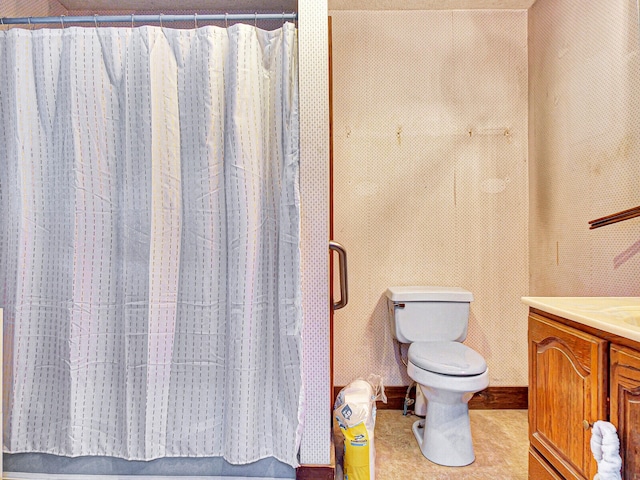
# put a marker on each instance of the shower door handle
(344, 287)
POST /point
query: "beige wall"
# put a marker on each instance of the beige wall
(430, 177)
(313, 42)
(31, 8)
(584, 146)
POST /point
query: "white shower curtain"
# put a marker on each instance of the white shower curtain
(149, 242)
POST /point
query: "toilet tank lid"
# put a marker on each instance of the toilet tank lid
(429, 294)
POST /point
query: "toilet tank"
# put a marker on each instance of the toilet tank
(426, 314)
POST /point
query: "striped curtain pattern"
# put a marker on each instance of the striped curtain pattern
(149, 242)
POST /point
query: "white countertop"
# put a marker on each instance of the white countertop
(617, 315)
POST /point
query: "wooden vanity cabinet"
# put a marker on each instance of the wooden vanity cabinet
(567, 385)
(625, 407)
(578, 373)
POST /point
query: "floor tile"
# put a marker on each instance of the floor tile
(499, 437)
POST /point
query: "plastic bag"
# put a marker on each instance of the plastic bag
(355, 412)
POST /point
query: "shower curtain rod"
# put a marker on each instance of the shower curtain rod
(96, 19)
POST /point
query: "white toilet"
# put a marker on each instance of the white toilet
(434, 321)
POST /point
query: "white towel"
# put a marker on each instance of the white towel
(605, 446)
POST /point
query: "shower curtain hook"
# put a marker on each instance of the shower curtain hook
(195, 20)
(226, 23)
(255, 20)
(95, 19)
(62, 20)
(132, 26)
(283, 19)
(30, 24)
(161, 26)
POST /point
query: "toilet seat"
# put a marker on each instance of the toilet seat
(447, 358)
(448, 383)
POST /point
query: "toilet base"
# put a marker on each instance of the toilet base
(445, 434)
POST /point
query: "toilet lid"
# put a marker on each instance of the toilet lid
(448, 358)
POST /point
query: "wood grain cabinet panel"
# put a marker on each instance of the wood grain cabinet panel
(625, 407)
(539, 469)
(567, 385)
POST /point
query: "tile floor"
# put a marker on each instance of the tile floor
(499, 437)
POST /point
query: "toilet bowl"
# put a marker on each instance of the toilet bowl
(434, 320)
(444, 436)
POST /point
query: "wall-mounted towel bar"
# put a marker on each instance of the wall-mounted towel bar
(614, 218)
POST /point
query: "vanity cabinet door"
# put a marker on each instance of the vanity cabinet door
(539, 468)
(625, 407)
(567, 385)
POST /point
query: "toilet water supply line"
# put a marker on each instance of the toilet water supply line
(408, 401)
(405, 361)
